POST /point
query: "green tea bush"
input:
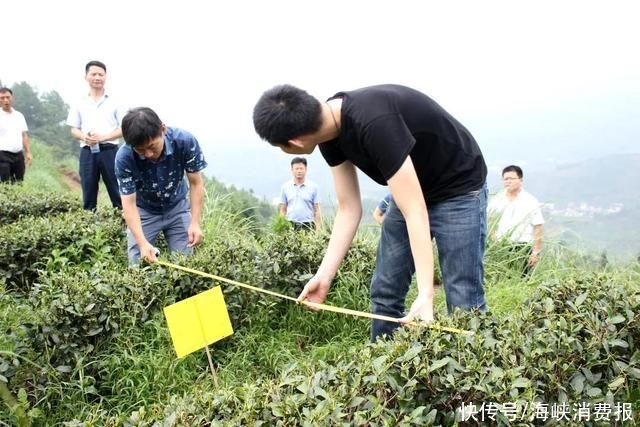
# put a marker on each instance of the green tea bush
(73, 238)
(277, 262)
(17, 203)
(288, 259)
(231, 259)
(16, 358)
(575, 341)
(79, 309)
(15, 342)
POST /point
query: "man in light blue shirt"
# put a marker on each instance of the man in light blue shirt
(151, 169)
(299, 200)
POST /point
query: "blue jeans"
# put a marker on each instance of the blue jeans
(459, 226)
(174, 224)
(92, 166)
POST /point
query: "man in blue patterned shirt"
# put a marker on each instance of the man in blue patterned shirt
(150, 169)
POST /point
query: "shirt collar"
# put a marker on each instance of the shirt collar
(105, 96)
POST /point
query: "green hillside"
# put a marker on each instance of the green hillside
(84, 342)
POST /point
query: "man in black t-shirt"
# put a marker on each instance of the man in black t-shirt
(436, 173)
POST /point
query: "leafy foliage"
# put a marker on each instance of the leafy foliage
(15, 203)
(78, 307)
(77, 237)
(580, 345)
(82, 336)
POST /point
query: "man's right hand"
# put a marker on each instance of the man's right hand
(315, 290)
(148, 252)
(90, 138)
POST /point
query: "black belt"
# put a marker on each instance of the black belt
(11, 153)
(104, 147)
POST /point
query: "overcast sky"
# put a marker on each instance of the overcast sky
(510, 71)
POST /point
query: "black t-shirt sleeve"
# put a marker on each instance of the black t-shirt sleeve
(332, 153)
(388, 141)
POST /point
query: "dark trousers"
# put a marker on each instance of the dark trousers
(11, 166)
(92, 167)
(519, 260)
(302, 226)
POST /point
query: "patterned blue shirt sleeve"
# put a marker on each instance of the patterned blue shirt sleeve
(124, 171)
(194, 159)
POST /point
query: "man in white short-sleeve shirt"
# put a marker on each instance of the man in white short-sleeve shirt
(95, 122)
(14, 140)
(520, 216)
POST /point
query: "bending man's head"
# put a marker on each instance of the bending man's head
(284, 113)
(143, 130)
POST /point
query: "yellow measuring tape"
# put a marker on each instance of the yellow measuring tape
(307, 303)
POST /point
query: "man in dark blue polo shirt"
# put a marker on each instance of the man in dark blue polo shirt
(150, 169)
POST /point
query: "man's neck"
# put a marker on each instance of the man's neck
(331, 120)
(9, 110)
(511, 195)
(96, 93)
(297, 181)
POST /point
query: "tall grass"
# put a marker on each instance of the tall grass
(44, 173)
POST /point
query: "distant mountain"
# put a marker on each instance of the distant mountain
(593, 203)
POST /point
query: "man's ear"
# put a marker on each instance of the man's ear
(296, 143)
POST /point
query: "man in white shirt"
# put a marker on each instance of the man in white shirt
(95, 122)
(520, 216)
(299, 200)
(14, 140)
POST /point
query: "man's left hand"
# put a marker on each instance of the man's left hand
(421, 309)
(195, 235)
(28, 159)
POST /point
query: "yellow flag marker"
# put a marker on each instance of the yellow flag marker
(198, 321)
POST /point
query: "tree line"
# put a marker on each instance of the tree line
(45, 114)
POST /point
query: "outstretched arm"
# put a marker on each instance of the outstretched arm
(26, 148)
(345, 226)
(317, 215)
(537, 244)
(132, 218)
(407, 194)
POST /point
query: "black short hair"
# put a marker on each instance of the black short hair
(299, 160)
(5, 90)
(94, 63)
(140, 125)
(286, 112)
(513, 168)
